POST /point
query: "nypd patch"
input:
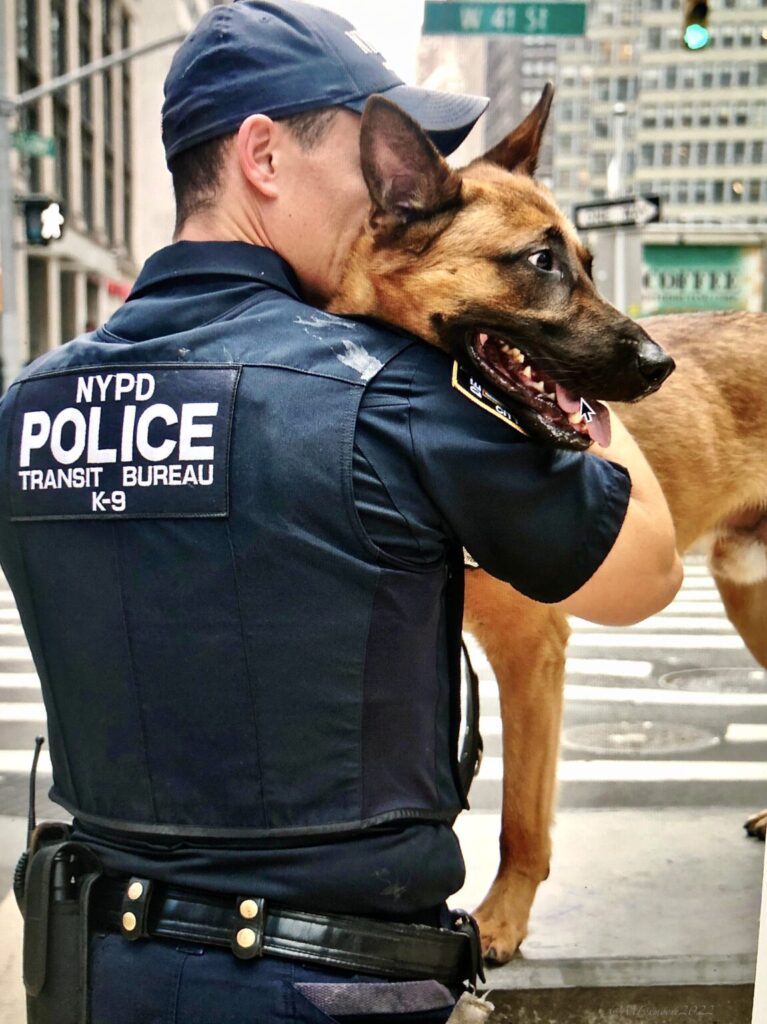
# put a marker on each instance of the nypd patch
(476, 392)
(123, 442)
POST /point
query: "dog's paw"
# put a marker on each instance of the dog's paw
(503, 914)
(756, 825)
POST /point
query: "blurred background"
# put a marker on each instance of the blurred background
(636, 113)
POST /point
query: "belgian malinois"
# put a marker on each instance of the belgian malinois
(481, 263)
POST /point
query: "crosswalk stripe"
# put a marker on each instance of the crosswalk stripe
(22, 712)
(694, 607)
(15, 761)
(670, 622)
(9, 615)
(641, 771)
(19, 681)
(737, 732)
(14, 653)
(11, 629)
(658, 641)
(637, 695)
(745, 732)
(621, 668)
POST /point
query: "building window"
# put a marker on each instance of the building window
(28, 77)
(686, 116)
(666, 154)
(739, 152)
(757, 152)
(647, 154)
(754, 187)
(86, 113)
(683, 156)
(725, 78)
(109, 125)
(670, 78)
(653, 38)
(721, 152)
(60, 99)
(707, 79)
(718, 193)
(127, 110)
(702, 153)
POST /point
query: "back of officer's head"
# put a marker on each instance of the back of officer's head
(292, 62)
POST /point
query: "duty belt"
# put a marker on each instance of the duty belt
(140, 909)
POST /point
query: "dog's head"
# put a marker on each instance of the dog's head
(482, 263)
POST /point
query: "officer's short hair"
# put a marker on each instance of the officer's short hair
(196, 172)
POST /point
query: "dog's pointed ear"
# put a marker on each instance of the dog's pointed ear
(405, 174)
(519, 150)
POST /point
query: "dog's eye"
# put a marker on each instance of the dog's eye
(545, 260)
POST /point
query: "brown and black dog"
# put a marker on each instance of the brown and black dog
(481, 263)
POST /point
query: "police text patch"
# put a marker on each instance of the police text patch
(123, 442)
(474, 390)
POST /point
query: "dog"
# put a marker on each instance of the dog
(481, 263)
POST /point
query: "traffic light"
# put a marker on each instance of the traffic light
(695, 34)
(43, 219)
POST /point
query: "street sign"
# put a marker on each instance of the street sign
(520, 19)
(629, 211)
(33, 143)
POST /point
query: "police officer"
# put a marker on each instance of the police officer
(233, 526)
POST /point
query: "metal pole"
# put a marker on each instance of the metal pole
(10, 357)
(9, 106)
(618, 187)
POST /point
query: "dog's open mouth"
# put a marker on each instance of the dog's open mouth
(509, 370)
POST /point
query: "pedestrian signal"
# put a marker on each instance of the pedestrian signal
(44, 219)
(695, 34)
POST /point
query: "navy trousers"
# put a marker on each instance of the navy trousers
(165, 982)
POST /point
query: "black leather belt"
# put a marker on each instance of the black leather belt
(139, 909)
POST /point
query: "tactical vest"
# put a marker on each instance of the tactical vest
(223, 651)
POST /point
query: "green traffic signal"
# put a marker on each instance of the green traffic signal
(696, 37)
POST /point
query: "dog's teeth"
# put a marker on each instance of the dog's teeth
(538, 385)
(505, 348)
(517, 356)
(481, 339)
(575, 418)
(527, 371)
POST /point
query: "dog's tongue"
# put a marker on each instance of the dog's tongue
(599, 427)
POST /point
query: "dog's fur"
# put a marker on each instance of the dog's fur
(443, 256)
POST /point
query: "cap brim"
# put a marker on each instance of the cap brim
(447, 117)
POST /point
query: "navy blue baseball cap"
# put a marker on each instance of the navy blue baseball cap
(262, 57)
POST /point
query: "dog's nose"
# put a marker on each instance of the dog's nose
(654, 364)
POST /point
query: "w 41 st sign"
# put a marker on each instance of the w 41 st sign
(550, 19)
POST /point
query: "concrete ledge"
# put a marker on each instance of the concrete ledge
(723, 1005)
(614, 972)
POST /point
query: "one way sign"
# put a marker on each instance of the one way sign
(629, 211)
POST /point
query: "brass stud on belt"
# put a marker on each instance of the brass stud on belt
(135, 891)
(246, 938)
(249, 909)
(129, 922)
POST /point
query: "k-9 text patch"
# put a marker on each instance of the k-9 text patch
(123, 442)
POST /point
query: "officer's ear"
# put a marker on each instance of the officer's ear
(405, 174)
(255, 143)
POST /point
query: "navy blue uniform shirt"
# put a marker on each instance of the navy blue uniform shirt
(430, 468)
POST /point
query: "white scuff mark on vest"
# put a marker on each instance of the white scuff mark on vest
(357, 358)
(320, 320)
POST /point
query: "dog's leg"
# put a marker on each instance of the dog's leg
(746, 607)
(525, 644)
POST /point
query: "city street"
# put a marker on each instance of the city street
(664, 744)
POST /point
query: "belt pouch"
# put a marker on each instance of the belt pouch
(59, 883)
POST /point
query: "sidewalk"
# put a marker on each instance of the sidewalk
(637, 900)
(635, 897)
